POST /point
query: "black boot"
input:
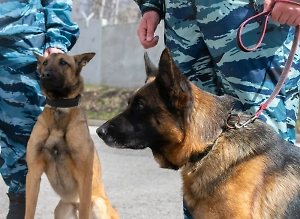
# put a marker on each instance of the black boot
(16, 206)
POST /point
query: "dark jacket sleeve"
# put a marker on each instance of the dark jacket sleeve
(61, 32)
(152, 5)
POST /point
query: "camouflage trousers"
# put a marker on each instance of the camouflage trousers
(20, 104)
(202, 38)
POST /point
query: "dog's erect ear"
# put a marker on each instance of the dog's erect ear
(151, 69)
(39, 58)
(172, 83)
(82, 59)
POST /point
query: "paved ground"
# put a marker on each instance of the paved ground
(134, 183)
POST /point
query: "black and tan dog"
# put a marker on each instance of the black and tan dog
(60, 144)
(227, 172)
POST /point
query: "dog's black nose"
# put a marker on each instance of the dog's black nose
(47, 74)
(102, 130)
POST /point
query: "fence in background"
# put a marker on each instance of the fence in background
(119, 56)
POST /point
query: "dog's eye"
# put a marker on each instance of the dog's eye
(136, 103)
(62, 62)
(139, 104)
(45, 63)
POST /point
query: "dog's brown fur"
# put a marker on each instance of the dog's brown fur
(60, 146)
(227, 173)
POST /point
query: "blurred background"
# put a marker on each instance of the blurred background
(109, 27)
(111, 11)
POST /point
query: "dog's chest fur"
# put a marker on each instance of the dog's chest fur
(56, 148)
(59, 152)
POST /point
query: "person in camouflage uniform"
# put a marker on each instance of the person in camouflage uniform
(26, 26)
(201, 36)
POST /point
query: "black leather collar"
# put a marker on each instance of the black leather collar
(64, 103)
(199, 156)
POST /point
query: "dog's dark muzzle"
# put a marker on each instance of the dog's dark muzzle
(106, 133)
(115, 134)
(48, 81)
(47, 75)
(102, 130)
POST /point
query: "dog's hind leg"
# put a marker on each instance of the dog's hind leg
(99, 209)
(65, 211)
(102, 209)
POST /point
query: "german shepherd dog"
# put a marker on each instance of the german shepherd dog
(227, 172)
(60, 144)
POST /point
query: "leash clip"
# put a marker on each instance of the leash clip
(238, 124)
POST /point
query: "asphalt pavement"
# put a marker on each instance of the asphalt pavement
(134, 183)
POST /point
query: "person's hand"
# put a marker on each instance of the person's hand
(50, 50)
(284, 12)
(146, 29)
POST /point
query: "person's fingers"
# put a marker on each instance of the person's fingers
(151, 27)
(286, 13)
(283, 18)
(268, 4)
(152, 43)
(142, 33)
(147, 29)
(149, 44)
(142, 29)
(50, 50)
(151, 19)
(275, 14)
(46, 53)
(55, 50)
(291, 20)
(296, 22)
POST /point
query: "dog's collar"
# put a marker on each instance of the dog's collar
(64, 103)
(199, 156)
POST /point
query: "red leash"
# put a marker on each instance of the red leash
(287, 66)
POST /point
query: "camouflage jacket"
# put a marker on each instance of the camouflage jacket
(36, 25)
(151, 5)
(202, 37)
(158, 6)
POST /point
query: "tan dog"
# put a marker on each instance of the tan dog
(227, 172)
(60, 144)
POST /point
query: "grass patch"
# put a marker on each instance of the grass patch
(102, 103)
